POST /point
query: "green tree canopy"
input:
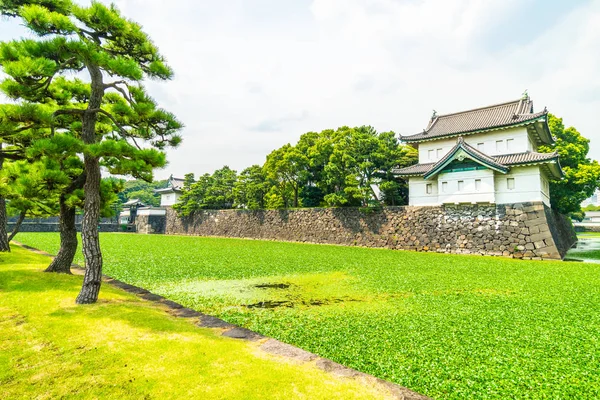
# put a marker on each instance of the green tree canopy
(212, 192)
(582, 175)
(343, 167)
(142, 190)
(251, 188)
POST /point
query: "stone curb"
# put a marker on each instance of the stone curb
(268, 345)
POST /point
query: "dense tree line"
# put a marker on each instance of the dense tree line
(343, 167)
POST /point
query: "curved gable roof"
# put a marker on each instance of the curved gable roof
(472, 153)
(503, 115)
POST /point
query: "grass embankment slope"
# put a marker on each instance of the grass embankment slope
(447, 326)
(124, 347)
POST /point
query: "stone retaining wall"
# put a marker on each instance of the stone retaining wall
(524, 230)
(150, 223)
(55, 227)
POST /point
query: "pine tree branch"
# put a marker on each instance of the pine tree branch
(119, 126)
(125, 93)
(65, 111)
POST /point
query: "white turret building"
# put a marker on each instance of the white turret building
(171, 194)
(484, 155)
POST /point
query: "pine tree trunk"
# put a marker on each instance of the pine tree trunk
(4, 246)
(68, 241)
(17, 226)
(91, 209)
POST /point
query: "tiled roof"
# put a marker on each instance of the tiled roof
(527, 157)
(415, 170)
(505, 160)
(173, 185)
(133, 202)
(471, 121)
(176, 183)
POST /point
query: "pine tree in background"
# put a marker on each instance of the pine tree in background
(19, 126)
(115, 120)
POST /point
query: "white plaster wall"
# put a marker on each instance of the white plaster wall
(150, 211)
(528, 186)
(168, 199)
(545, 186)
(521, 143)
(417, 192)
(469, 193)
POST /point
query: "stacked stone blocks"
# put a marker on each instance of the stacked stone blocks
(523, 230)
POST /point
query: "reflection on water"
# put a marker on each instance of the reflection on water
(587, 249)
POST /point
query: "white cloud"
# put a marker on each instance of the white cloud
(252, 76)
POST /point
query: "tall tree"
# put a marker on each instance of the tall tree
(582, 175)
(250, 189)
(113, 117)
(394, 191)
(286, 167)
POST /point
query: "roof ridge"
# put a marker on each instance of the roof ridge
(479, 108)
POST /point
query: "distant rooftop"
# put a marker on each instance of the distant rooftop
(501, 115)
(173, 185)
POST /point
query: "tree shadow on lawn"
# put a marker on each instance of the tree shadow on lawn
(14, 279)
(138, 314)
(61, 291)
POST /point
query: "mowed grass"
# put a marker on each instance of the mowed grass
(127, 348)
(448, 326)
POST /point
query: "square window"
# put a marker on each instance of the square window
(480, 146)
(478, 184)
(444, 187)
(429, 188)
(510, 144)
(499, 145)
(430, 154)
(510, 183)
(439, 153)
(461, 185)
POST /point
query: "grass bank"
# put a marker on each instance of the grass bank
(448, 326)
(126, 348)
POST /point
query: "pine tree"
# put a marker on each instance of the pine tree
(113, 119)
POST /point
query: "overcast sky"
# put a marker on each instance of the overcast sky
(252, 75)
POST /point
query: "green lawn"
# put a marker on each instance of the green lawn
(447, 326)
(127, 348)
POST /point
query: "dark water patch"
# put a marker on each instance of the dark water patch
(273, 286)
(291, 304)
(270, 304)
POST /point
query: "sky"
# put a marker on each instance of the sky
(253, 75)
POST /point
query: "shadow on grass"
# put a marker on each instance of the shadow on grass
(113, 303)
